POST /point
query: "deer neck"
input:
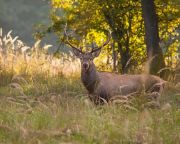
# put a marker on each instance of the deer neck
(90, 78)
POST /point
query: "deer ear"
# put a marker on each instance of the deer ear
(77, 52)
(96, 52)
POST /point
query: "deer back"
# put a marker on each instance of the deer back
(113, 84)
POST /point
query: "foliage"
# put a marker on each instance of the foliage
(169, 25)
(124, 18)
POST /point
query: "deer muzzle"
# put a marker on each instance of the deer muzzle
(85, 66)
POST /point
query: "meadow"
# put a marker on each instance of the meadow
(43, 101)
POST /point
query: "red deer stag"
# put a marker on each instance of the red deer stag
(104, 85)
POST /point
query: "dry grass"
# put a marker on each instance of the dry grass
(43, 101)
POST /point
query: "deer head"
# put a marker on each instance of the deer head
(86, 57)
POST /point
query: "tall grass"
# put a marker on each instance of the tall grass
(43, 101)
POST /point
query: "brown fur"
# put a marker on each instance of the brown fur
(110, 84)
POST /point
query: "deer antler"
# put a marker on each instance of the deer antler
(104, 44)
(67, 40)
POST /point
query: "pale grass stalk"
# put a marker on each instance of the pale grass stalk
(20, 58)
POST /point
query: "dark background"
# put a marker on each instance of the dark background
(21, 16)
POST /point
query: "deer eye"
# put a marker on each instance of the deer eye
(91, 59)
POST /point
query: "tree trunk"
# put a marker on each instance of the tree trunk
(114, 56)
(154, 52)
(117, 34)
(125, 57)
